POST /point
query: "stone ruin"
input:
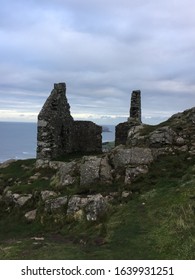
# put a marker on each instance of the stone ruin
(121, 130)
(57, 132)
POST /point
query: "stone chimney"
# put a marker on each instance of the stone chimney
(135, 108)
(121, 130)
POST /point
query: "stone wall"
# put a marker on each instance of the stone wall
(58, 134)
(121, 133)
(87, 137)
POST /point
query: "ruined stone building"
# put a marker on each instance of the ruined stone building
(57, 132)
(121, 130)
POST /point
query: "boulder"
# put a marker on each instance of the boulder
(34, 177)
(133, 172)
(47, 194)
(161, 137)
(92, 206)
(122, 157)
(179, 141)
(76, 203)
(126, 194)
(57, 204)
(105, 171)
(96, 207)
(21, 200)
(66, 175)
(90, 170)
(17, 199)
(55, 165)
(31, 215)
(134, 136)
(42, 163)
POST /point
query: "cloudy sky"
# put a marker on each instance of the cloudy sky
(102, 49)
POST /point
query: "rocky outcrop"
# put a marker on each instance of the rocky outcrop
(66, 175)
(161, 136)
(122, 157)
(90, 207)
(176, 134)
(54, 205)
(89, 170)
(16, 199)
(45, 195)
(125, 163)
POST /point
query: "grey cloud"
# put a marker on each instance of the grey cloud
(102, 50)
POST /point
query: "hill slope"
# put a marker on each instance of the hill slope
(152, 217)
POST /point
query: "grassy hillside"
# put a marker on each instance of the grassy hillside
(157, 222)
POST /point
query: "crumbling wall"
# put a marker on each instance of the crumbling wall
(58, 134)
(121, 133)
(87, 137)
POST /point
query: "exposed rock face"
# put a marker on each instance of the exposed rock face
(66, 175)
(92, 206)
(96, 207)
(176, 134)
(135, 156)
(162, 136)
(58, 134)
(121, 130)
(133, 172)
(130, 163)
(90, 170)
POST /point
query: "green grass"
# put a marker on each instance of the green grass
(158, 222)
(17, 176)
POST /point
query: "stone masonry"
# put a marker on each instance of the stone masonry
(57, 132)
(121, 130)
(135, 108)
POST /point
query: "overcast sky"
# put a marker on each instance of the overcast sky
(102, 49)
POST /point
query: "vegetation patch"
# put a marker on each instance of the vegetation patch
(155, 222)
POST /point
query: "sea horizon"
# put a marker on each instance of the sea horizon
(18, 140)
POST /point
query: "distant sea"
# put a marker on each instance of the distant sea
(19, 140)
